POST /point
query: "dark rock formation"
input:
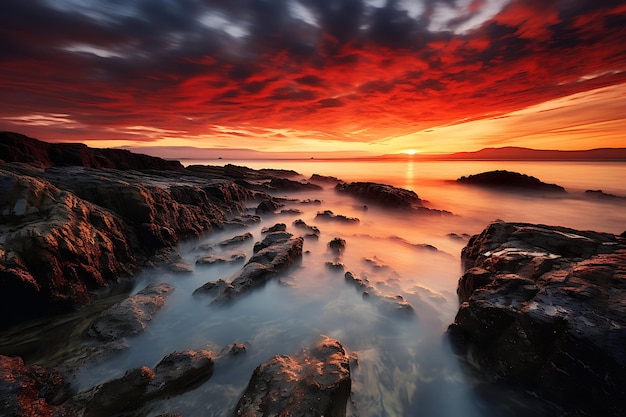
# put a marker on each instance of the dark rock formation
(268, 205)
(15, 147)
(316, 382)
(236, 240)
(131, 315)
(231, 257)
(329, 215)
(545, 307)
(337, 245)
(68, 231)
(180, 371)
(510, 180)
(284, 184)
(381, 194)
(301, 224)
(324, 179)
(601, 195)
(274, 254)
(278, 227)
(391, 304)
(29, 391)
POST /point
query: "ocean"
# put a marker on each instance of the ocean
(405, 366)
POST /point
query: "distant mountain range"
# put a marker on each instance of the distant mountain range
(511, 153)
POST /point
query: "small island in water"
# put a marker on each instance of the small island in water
(136, 286)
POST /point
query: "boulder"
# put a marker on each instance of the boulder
(231, 257)
(301, 224)
(268, 206)
(131, 315)
(337, 245)
(545, 308)
(510, 180)
(315, 382)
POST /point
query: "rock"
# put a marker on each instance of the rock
(391, 304)
(315, 382)
(274, 254)
(510, 180)
(131, 315)
(120, 395)
(284, 184)
(329, 215)
(335, 266)
(278, 227)
(268, 206)
(29, 391)
(232, 257)
(381, 194)
(314, 202)
(69, 231)
(337, 245)
(545, 307)
(601, 195)
(301, 224)
(55, 248)
(180, 268)
(180, 371)
(324, 179)
(15, 147)
(212, 287)
(236, 240)
(291, 211)
(241, 221)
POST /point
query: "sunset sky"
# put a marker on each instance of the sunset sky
(361, 76)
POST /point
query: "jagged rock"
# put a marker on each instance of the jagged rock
(274, 254)
(241, 221)
(545, 307)
(285, 184)
(393, 304)
(329, 215)
(221, 259)
(291, 211)
(315, 202)
(315, 382)
(131, 315)
(301, 224)
(268, 206)
(278, 227)
(509, 180)
(236, 240)
(179, 371)
(54, 249)
(335, 266)
(29, 391)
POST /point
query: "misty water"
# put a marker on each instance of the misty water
(405, 367)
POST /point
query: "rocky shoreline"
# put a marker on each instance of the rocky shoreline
(542, 307)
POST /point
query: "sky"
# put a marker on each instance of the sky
(344, 77)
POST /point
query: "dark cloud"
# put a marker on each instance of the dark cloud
(110, 63)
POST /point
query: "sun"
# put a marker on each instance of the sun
(410, 151)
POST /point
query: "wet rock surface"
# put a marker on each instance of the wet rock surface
(131, 315)
(545, 308)
(274, 254)
(315, 382)
(384, 195)
(285, 184)
(387, 303)
(510, 180)
(29, 391)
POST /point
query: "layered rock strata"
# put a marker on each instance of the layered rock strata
(545, 307)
